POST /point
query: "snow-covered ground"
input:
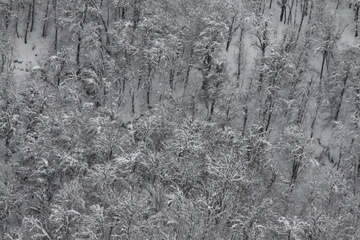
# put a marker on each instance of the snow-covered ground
(30, 55)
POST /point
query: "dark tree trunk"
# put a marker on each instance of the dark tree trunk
(341, 96)
(263, 42)
(239, 58)
(123, 13)
(325, 55)
(290, 12)
(148, 85)
(32, 15)
(295, 171)
(3, 59)
(16, 26)
(316, 115)
(8, 7)
(245, 108)
(56, 25)
(283, 11)
(357, 6)
(171, 78)
(267, 115)
(188, 70)
(78, 49)
(136, 14)
(133, 101)
(27, 23)
(230, 33)
(46, 20)
(304, 101)
(139, 81)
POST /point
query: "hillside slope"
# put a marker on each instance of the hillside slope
(179, 119)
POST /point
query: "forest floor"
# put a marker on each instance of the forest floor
(30, 55)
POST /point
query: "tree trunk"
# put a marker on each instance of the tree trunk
(133, 101)
(230, 33)
(304, 101)
(32, 15)
(290, 12)
(123, 13)
(357, 6)
(136, 14)
(341, 96)
(283, 11)
(239, 57)
(8, 7)
(27, 23)
(56, 25)
(148, 86)
(171, 79)
(188, 70)
(3, 59)
(325, 54)
(316, 115)
(78, 49)
(245, 108)
(46, 21)
(295, 171)
(263, 44)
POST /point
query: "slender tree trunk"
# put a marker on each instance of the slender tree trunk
(123, 13)
(263, 42)
(27, 23)
(341, 96)
(304, 101)
(171, 78)
(188, 69)
(338, 4)
(311, 9)
(136, 14)
(8, 134)
(283, 11)
(230, 33)
(300, 26)
(245, 113)
(295, 171)
(8, 9)
(148, 85)
(325, 54)
(133, 101)
(295, 12)
(78, 49)
(357, 6)
(108, 17)
(32, 15)
(290, 12)
(16, 26)
(56, 25)
(316, 115)
(139, 82)
(239, 57)
(269, 105)
(304, 12)
(3, 59)
(46, 20)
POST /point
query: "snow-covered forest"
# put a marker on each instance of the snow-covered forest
(179, 119)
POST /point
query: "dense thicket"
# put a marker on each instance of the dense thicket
(185, 119)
